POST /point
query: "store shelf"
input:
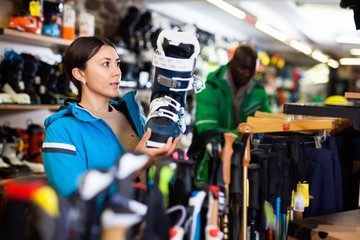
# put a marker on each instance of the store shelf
(12, 35)
(22, 107)
(351, 112)
(32, 176)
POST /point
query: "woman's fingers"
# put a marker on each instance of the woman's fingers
(174, 145)
(146, 135)
(142, 143)
(167, 146)
(156, 153)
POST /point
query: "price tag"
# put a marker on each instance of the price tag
(34, 9)
(301, 197)
(303, 188)
(299, 202)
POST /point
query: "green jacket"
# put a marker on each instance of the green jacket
(214, 108)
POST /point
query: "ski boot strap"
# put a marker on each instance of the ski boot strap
(165, 101)
(157, 110)
(168, 114)
(177, 84)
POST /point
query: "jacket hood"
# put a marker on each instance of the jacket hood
(66, 110)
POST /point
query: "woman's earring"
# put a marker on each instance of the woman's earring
(84, 82)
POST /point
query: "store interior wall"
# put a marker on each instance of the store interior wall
(283, 82)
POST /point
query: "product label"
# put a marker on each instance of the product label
(34, 8)
(69, 16)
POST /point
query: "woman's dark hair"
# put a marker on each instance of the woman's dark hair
(79, 52)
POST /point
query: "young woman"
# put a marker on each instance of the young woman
(92, 132)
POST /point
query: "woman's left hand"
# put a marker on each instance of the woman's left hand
(156, 153)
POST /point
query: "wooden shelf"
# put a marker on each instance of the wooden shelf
(23, 107)
(12, 35)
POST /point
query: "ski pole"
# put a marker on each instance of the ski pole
(177, 231)
(122, 212)
(285, 196)
(196, 200)
(206, 168)
(281, 150)
(126, 166)
(214, 149)
(254, 206)
(262, 158)
(235, 191)
(245, 129)
(184, 183)
(116, 221)
(219, 181)
(212, 230)
(226, 154)
(83, 205)
(278, 215)
(271, 195)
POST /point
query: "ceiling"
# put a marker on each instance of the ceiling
(316, 22)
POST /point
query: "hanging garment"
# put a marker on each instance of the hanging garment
(326, 179)
(320, 167)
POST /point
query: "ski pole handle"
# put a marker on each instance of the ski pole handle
(213, 212)
(242, 129)
(226, 154)
(246, 128)
(114, 233)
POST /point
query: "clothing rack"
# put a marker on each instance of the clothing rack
(350, 110)
(266, 123)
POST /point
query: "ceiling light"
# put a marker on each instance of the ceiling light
(333, 63)
(349, 40)
(355, 51)
(229, 8)
(270, 31)
(318, 74)
(302, 47)
(318, 55)
(350, 61)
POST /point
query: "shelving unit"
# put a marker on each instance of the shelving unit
(351, 112)
(19, 114)
(23, 107)
(12, 35)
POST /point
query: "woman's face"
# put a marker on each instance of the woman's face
(102, 74)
